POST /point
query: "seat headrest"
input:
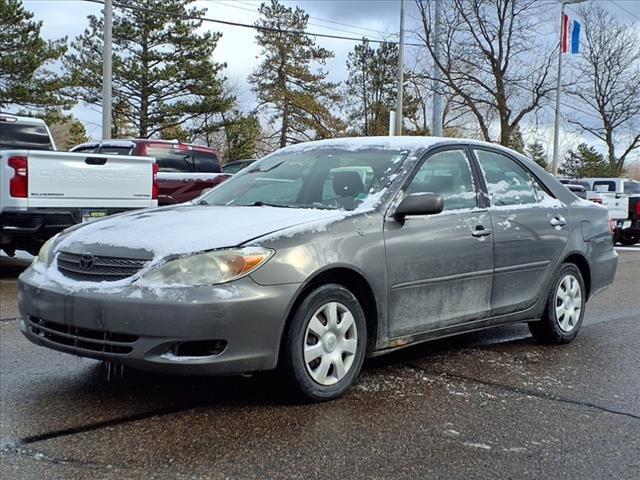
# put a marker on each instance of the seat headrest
(347, 184)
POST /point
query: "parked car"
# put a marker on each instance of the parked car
(578, 190)
(330, 251)
(43, 191)
(622, 197)
(185, 170)
(237, 165)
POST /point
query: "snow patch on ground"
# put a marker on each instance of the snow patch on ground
(481, 446)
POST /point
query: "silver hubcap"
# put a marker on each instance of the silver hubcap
(568, 303)
(330, 343)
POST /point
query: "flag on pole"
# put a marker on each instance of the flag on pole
(570, 35)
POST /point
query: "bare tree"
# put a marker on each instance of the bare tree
(493, 59)
(607, 83)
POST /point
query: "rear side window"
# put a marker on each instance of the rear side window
(206, 162)
(235, 168)
(507, 182)
(115, 150)
(21, 136)
(171, 160)
(604, 186)
(631, 187)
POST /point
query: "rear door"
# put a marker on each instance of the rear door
(530, 231)
(63, 179)
(440, 266)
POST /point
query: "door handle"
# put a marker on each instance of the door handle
(480, 231)
(558, 221)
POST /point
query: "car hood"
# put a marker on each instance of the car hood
(186, 229)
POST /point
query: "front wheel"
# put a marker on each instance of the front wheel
(564, 312)
(325, 343)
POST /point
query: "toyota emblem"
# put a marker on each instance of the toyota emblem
(87, 261)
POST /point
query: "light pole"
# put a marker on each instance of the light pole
(398, 129)
(107, 60)
(436, 118)
(556, 124)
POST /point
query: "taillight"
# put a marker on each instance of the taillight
(597, 200)
(155, 188)
(638, 209)
(19, 183)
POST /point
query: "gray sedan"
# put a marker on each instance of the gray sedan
(321, 254)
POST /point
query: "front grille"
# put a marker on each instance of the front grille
(84, 338)
(101, 269)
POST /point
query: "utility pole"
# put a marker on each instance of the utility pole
(107, 59)
(399, 122)
(436, 119)
(556, 124)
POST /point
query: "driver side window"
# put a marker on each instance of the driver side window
(447, 174)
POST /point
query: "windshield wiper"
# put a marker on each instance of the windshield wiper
(260, 203)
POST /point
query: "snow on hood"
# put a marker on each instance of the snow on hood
(187, 229)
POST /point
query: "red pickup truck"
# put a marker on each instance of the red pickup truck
(185, 170)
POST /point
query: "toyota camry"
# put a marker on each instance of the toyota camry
(320, 255)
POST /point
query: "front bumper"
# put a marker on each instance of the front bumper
(142, 327)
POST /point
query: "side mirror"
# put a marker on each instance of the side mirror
(419, 204)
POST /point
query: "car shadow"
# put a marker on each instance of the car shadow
(112, 382)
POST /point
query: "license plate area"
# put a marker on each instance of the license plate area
(89, 214)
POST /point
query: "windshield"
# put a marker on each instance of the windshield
(329, 178)
(631, 187)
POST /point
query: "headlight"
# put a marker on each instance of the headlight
(44, 255)
(210, 268)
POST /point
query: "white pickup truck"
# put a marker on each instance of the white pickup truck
(43, 191)
(621, 196)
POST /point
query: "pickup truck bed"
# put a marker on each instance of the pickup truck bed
(44, 192)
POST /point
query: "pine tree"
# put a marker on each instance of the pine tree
(24, 56)
(243, 134)
(586, 161)
(537, 153)
(297, 100)
(163, 74)
(371, 89)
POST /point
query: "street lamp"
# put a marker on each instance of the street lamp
(556, 125)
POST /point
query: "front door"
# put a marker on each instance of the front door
(529, 229)
(440, 266)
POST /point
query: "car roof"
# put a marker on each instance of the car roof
(7, 117)
(132, 142)
(393, 143)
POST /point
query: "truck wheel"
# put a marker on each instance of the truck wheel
(324, 347)
(564, 312)
(626, 239)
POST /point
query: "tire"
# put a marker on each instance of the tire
(555, 327)
(323, 350)
(628, 240)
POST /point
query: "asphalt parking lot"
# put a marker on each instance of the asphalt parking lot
(487, 405)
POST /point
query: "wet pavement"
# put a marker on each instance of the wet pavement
(487, 405)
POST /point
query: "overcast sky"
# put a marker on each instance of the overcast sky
(237, 48)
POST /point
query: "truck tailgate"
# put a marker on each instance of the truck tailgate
(64, 179)
(617, 204)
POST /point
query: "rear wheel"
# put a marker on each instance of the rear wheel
(325, 344)
(627, 239)
(564, 312)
